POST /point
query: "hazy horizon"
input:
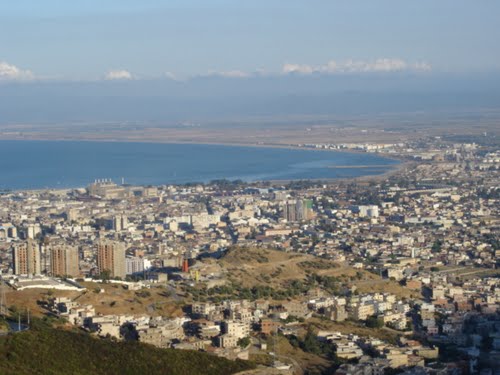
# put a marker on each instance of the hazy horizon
(191, 60)
(213, 98)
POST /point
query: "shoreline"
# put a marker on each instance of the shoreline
(228, 144)
(391, 168)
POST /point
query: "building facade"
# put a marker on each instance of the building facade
(64, 260)
(26, 257)
(111, 257)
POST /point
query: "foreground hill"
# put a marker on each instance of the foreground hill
(47, 350)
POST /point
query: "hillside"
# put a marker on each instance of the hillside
(114, 299)
(47, 350)
(249, 267)
(254, 266)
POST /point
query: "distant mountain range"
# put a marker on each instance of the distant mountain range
(216, 98)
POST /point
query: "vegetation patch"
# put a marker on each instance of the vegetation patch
(47, 350)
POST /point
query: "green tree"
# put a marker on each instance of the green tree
(105, 276)
(244, 342)
(374, 322)
(310, 343)
(437, 246)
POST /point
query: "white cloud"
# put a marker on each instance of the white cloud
(423, 66)
(118, 75)
(230, 74)
(171, 76)
(12, 72)
(297, 68)
(357, 66)
(234, 74)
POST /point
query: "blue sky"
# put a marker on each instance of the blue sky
(94, 39)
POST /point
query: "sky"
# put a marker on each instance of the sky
(181, 61)
(87, 40)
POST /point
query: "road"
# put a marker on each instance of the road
(297, 368)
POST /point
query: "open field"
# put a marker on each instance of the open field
(252, 266)
(273, 132)
(114, 300)
(289, 354)
(348, 327)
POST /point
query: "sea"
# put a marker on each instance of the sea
(71, 164)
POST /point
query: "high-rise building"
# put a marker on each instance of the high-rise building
(26, 256)
(367, 211)
(120, 222)
(303, 209)
(289, 213)
(307, 209)
(7, 230)
(297, 210)
(111, 257)
(64, 260)
(32, 230)
(280, 195)
(117, 223)
(71, 214)
(134, 265)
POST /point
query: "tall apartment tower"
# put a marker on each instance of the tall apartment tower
(306, 209)
(289, 213)
(298, 210)
(111, 257)
(64, 260)
(26, 256)
(120, 222)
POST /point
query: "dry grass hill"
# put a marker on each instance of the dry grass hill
(259, 266)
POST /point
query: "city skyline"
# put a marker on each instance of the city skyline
(250, 187)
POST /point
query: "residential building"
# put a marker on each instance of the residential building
(64, 260)
(26, 258)
(111, 257)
